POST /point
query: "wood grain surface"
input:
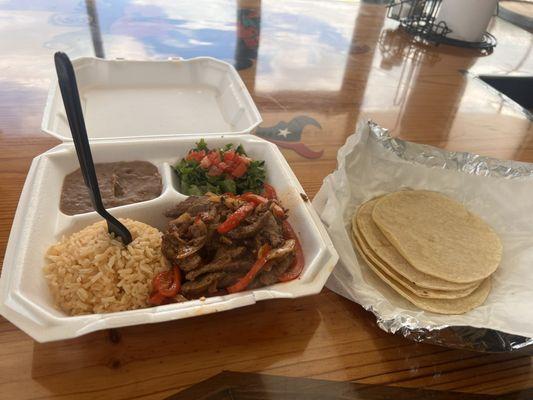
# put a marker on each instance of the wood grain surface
(251, 386)
(333, 62)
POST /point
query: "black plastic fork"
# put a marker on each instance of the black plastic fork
(71, 100)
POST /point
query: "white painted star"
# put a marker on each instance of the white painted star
(284, 132)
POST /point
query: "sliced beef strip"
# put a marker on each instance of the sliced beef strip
(193, 205)
(198, 229)
(230, 252)
(226, 259)
(175, 248)
(183, 240)
(229, 265)
(268, 278)
(201, 286)
(212, 243)
(190, 263)
(182, 222)
(272, 231)
(274, 268)
(229, 279)
(284, 264)
(169, 247)
(245, 231)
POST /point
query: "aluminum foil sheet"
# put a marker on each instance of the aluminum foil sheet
(372, 163)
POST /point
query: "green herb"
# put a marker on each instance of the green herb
(253, 179)
(228, 186)
(201, 145)
(194, 180)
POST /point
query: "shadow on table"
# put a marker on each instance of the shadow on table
(244, 386)
(178, 353)
(384, 358)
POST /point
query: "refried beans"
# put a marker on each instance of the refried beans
(121, 183)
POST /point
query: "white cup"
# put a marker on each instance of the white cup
(467, 19)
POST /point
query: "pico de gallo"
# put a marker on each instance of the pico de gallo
(219, 171)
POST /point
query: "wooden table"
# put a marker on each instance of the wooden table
(333, 62)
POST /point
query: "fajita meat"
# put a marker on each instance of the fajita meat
(212, 259)
(202, 285)
(231, 259)
(193, 205)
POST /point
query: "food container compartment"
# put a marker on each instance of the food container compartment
(25, 298)
(125, 98)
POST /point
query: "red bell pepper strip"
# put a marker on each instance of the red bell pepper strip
(242, 283)
(166, 285)
(297, 266)
(253, 198)
(156, 299)
(256, 199)
(173, 286)
(269, 192)
(236, 218)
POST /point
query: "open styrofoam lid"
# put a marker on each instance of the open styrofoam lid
(129, 99)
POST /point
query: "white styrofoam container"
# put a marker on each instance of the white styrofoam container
(129, 99)
(25, 299)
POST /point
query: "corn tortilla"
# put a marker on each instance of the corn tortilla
(410, 286)
(438, 236)
(383, 250)
(440, 306)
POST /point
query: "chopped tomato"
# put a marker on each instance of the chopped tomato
(253, 198)
(239, 170)
(245, 160)
(223, 166)
(297, 266)
(229, 155)
(231, 166)
(242, 283)
(236, 218)
(205, 163)
(214, 171)
(196, 155)
(269, 192)
(214, 157)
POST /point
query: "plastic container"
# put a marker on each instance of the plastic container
(25, 299)
(130, 99)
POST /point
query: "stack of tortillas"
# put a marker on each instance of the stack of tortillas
(429, 248)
